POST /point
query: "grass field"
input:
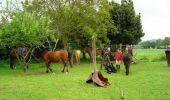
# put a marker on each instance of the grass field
(149, 79)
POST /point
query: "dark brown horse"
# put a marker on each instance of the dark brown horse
(55, 56)
(127, 59)
(13, 55)
(167, 52)
(22, 54)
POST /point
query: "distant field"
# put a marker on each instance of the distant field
(149, 79)
(152, 55)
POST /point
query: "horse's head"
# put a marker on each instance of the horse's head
(87, 50)
(39, 53)
(99, 51)
(14, 52)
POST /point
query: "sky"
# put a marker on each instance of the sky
(155, 17)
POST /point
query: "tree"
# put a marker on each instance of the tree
(129, 28)
(79, 20)
(166, 41)
(25, 30)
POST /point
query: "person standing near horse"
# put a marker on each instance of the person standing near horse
(118, 56)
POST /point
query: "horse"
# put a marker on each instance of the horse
(55, 56)
(127, 59)
(13, 55)
(76, 56)
(89, 51)
(167, 52)
(23, 54)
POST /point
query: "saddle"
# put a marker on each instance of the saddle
(98, 79)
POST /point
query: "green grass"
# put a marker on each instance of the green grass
(153, 55)
(148, 80)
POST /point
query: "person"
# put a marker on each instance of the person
(118, 56)
(22, 51)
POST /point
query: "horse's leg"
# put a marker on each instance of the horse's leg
(14, 64)
(47, 65)
(84, 55)
(69, 61)
(11, 63)
(70, 58)
(50, 67)
(79, 59)
(76, 60)
(65, 65)
(27, 63)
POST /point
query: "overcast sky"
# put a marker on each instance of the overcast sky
(155, 16)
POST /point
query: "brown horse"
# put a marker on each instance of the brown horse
(55, 56)
(89, 51)
(13, 55)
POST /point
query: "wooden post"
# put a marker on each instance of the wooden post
(94, 53)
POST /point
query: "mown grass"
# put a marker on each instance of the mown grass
(148, 80)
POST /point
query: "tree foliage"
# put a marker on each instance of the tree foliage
(24, 30)
(72, 22)
(157, 43)
(127, 22)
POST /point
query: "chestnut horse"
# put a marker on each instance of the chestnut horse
(89, 51)
(55, 56)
